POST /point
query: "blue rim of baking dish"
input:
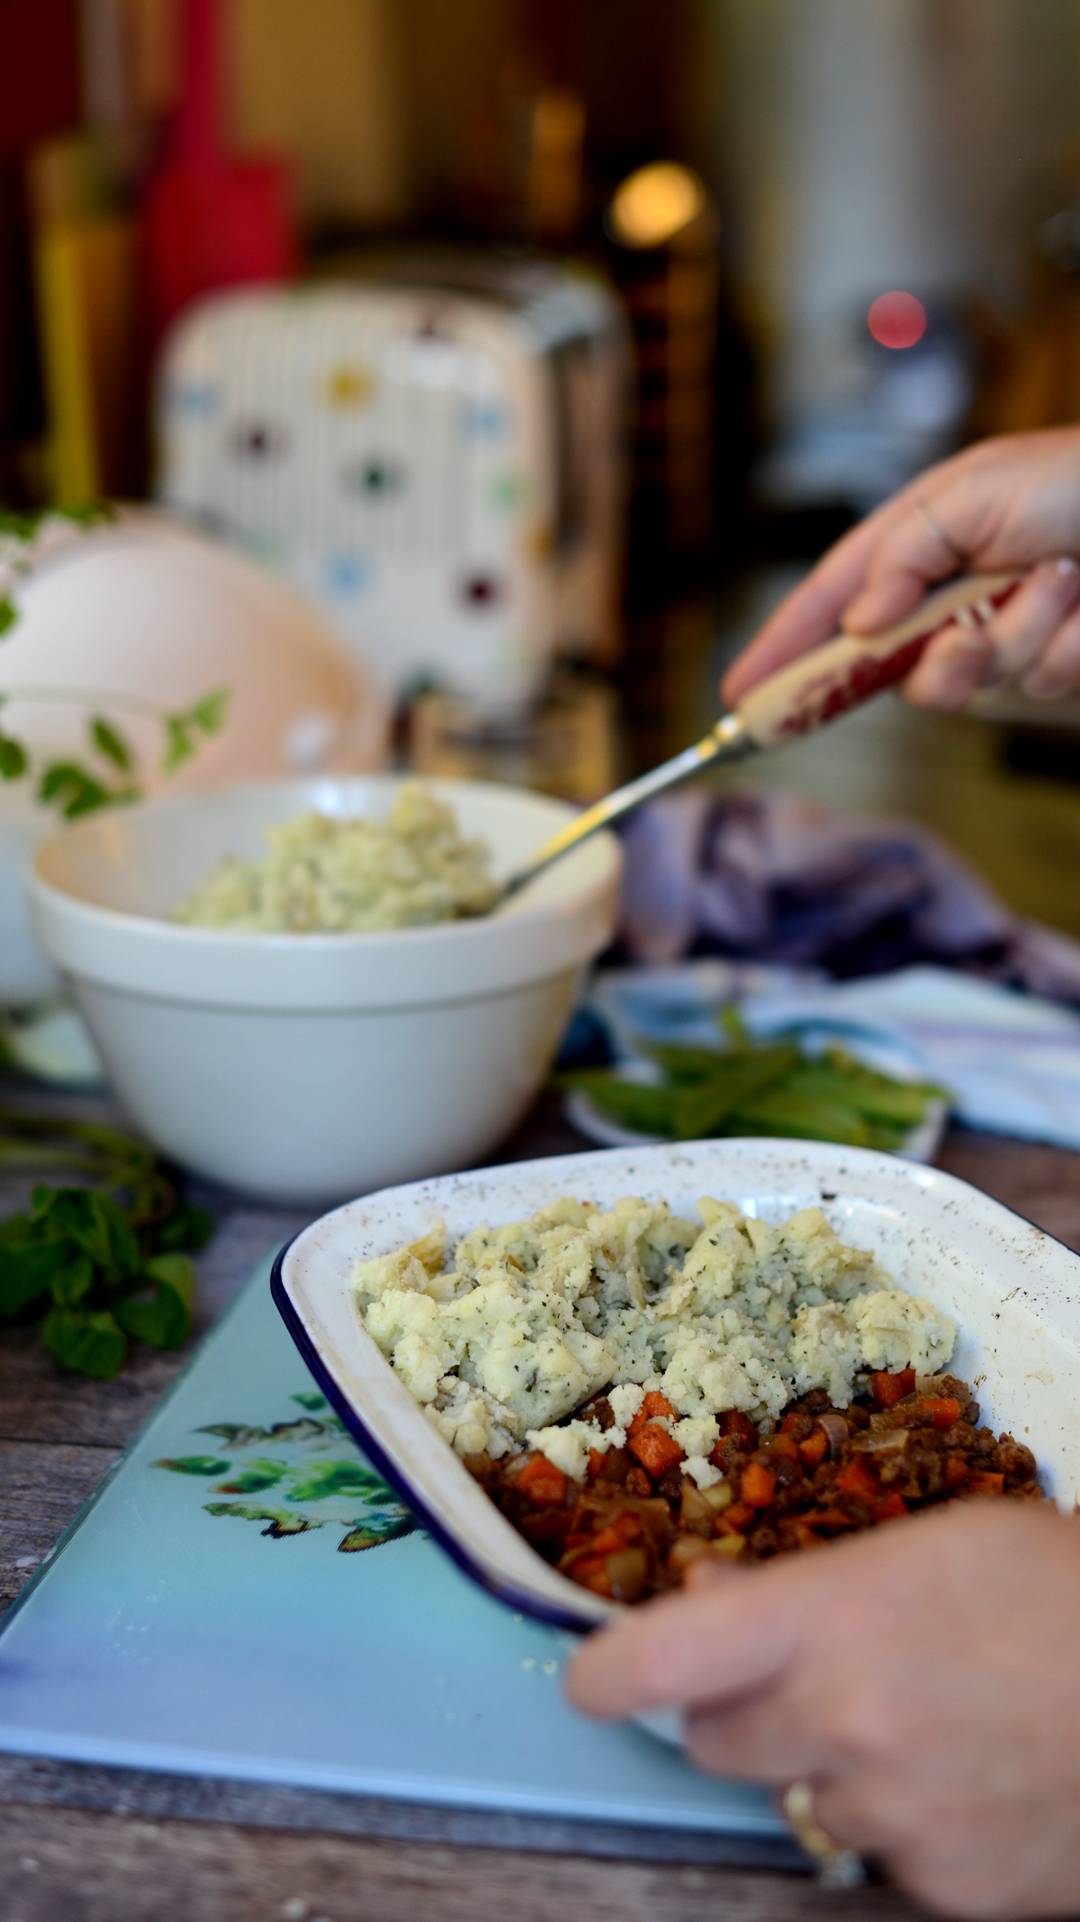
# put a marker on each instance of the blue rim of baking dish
(503, 1590)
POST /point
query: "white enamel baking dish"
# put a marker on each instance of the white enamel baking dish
(1013, 1290)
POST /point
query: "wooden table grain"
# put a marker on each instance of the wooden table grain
(110, 1845)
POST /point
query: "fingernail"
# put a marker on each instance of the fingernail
(1063, 578)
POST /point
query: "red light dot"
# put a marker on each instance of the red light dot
(896, 320)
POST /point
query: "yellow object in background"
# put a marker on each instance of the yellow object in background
(84, 279)
(85, 275)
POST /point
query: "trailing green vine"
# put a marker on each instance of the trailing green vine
(106, 776)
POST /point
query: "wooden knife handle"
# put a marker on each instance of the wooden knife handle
(851, 669)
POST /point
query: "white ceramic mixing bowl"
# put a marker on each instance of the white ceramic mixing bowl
(305, 1067)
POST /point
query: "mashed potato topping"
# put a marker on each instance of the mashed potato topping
(726, 1313)
(350, 876)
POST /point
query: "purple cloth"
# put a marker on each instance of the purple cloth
(772, 876)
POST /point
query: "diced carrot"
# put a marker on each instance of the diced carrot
(891, 1507)
(814, 1448)
(735, 1519)
(541, 1481)
(592, 1573)
(655, 1449)
(655, 1406)
(732, 1422)
(941, 1410)
(757, 1485)
(957, 1471)
(792, 1421)
(608, 1540)
(638, 1483)
(782, 1445)
(594, 1467)
(986, 1484)
(888, 1389)
(856, 1479)
(831, 1518)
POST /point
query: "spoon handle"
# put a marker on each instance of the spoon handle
(852, 668)
(805, 695)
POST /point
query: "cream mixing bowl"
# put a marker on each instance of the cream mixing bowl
(306, 1067)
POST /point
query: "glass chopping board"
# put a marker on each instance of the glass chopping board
(245, 1598)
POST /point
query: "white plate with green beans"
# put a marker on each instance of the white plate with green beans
(787, 1085)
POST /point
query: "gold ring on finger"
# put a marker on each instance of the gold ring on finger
(837, 1867)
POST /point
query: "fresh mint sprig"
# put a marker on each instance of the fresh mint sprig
(101, 1266)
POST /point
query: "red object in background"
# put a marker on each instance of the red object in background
(896, 320)
(210, 221)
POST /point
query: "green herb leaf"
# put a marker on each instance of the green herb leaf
(175, 1271)
(179, 746)
(161, 1314)
(93, 1222)
(111, 744)
(210, 713)
(205, 716)
(73, 789)
(27, 1267)
(86, 1342)
(13, 761)
(9, 614)
(186, 1231)
(71, 1284)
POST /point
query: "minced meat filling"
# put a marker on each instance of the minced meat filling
(632, 1527)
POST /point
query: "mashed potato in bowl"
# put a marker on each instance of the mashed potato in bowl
(326, 875)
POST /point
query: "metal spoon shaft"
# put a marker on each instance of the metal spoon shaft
(728, 741)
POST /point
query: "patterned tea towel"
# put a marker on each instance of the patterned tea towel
(771, 876)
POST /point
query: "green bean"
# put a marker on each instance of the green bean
(738, 1078)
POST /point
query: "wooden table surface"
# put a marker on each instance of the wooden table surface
(100, 1845)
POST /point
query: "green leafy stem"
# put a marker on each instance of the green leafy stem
(79, 787)
(106, 777)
